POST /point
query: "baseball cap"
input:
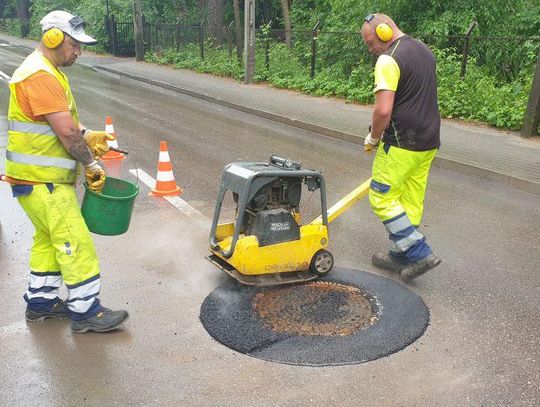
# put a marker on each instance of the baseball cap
(69, 24)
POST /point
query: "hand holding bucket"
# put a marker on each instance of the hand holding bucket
(109, 212)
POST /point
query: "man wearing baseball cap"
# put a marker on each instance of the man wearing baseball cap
(46, 145)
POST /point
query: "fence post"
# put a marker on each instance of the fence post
(114, 36)
(466, 49)
(229, 39)
(315, 33)
(177, 36)
(107, 21)
(267, 46)
(201, 38)
(532, 114)
(159, 33)
(138, 31)
(147, 35)
(249, 41)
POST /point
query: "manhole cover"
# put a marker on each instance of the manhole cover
(347, 317)
(316, 308)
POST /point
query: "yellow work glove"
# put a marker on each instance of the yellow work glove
(97, 141)
(95, 177)
(371, 143)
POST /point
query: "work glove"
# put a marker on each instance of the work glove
(97, 141)
(371, 143)
(95, 177)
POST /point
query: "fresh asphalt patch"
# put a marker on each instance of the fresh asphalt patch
(348, 317)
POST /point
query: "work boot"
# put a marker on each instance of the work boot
(419, 267)
(105, 320)
(57, 311)
(385, 261)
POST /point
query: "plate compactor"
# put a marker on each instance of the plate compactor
(267, 244)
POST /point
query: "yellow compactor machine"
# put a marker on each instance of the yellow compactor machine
(267, 244)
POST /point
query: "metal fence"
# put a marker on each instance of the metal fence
(121, 37)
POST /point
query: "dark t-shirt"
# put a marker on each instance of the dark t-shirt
(415, 122)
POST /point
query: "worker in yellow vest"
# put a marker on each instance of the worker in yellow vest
(405, 133)
(46, 145)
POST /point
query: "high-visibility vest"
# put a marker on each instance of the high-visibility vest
(34, 152)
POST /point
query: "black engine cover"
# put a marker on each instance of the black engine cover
(275, 226)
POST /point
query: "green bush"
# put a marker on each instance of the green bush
(480, 97)
(217, 60)
(12, 26)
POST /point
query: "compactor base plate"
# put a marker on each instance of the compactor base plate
(262, 280)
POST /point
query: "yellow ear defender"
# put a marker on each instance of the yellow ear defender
(53, 38)
(384, 31)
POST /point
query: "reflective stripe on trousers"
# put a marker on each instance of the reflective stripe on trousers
(43, 286)
(406, 240)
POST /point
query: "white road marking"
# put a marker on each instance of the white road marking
(4, 76)
(176, 201)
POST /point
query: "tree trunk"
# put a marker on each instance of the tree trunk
(23, 9)
(215, 19)
(138, 30)
(287, 22)
(249, 40)
(238, 27)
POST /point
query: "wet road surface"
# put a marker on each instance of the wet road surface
(480, 349)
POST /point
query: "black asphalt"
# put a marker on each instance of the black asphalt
(228, 316)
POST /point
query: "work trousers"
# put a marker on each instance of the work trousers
(62, 251)
(396, 195)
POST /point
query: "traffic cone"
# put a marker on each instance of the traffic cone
(111, 155)
(165, 184)
(113, 168)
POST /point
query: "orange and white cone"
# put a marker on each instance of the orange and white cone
(111, 155)
(113, 168)
(165, 184)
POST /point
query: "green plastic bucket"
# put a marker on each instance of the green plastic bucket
(109, 213)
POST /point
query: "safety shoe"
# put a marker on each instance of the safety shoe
(385, 261)
(56, 311)
(105, 320)
(419, 267)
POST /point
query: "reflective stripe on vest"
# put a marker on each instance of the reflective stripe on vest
(36, 128)
(42, 161)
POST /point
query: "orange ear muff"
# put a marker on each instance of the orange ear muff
(53, 38)
(384, 32)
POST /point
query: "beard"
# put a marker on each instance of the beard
(70, 62)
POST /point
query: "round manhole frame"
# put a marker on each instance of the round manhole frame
(228, 317)
(304, 309)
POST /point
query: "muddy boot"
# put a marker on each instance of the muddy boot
(58, 310)
(105, 320)
(386, 262)
(419, 267)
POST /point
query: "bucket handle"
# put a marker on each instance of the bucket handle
(137, 169)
